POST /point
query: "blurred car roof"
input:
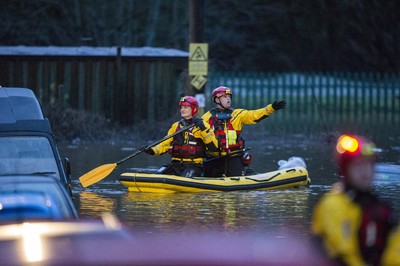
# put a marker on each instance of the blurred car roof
(109, 242)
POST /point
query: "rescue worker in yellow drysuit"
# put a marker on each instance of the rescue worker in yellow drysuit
(188, 148)
(227, 124)
(350, 220)
(391, 256)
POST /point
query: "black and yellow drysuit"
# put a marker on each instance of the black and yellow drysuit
(187, 149)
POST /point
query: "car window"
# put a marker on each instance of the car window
(27, 155)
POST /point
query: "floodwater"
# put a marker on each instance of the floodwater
(274, 212)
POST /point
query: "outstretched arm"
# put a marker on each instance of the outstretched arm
(242, 116)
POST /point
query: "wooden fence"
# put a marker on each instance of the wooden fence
(124, 88)
(318, 101)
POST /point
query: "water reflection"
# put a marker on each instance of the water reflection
(93, 204)
(233, 211)
(97, 199)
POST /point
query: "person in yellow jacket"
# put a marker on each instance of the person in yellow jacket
(351, 221)
(187, 149)
(227, 123)
(391, 256)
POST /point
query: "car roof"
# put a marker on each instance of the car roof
(89, 242)
(28, 205)
(19, 104)
(20, 111)
(26, 197)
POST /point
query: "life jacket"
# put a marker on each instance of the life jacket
(220, 122)
(186, 145)
(376, 223)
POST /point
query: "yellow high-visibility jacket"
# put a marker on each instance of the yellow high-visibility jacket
(241, 117)
(336, 220)
(207, 136)
(391, 255)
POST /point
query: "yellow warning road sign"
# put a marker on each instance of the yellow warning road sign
(198, 59)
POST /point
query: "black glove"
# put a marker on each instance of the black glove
(278, 105)
(199, 123)
(147, 150)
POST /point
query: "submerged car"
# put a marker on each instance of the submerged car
(27, 144)
(35, 182)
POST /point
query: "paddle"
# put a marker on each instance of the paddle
(104, 170)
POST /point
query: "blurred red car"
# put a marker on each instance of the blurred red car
(108, 242)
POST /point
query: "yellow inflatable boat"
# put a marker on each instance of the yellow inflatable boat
(161, 183)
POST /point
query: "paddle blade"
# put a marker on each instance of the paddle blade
(97, 174)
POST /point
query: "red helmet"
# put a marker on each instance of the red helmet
(350, 148)
(221, 90)
(190, 101)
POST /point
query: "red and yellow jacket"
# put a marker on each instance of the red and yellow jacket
(189, 146)
(228, 124)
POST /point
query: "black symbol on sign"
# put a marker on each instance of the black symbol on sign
(198, 55)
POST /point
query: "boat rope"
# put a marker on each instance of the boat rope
(134, 180)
